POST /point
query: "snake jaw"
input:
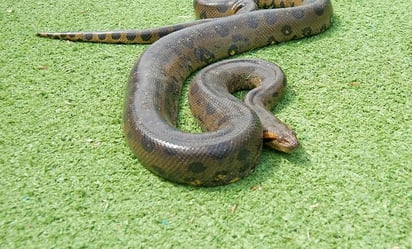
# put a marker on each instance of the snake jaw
(285, 143)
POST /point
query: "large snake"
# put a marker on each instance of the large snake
(230, 147)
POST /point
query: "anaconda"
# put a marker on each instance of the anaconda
(230, 147)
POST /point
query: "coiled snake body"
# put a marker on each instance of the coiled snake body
(231, 146)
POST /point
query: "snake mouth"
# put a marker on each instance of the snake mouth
(285, 143)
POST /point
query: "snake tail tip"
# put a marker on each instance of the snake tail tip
(42, 34)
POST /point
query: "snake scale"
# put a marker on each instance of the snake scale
(231, 145)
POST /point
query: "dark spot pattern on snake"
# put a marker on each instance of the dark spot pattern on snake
(221, 151)
(272, 40)
(151, 103)
(298, 13)
(319, 9)
(222, 30)
(88, 36)
(147, 144)
(131, 36)
(116, 36)
(252, 22)
(101, 36)
(210, 109)
(270, 18)
(307, 31)
(286, 30)
(233, 49)
(204, 55)
(146, 36)
(239, 38)
(197, 167)
(275, 95)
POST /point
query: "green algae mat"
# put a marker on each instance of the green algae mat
(68, 179)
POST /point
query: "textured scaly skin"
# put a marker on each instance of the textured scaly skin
(231, 148)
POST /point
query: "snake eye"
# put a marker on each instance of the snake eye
(238, 7)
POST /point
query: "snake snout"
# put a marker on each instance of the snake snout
(287, 142)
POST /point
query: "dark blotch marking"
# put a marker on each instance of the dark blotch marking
(319, 10)
(72, 35)
(270, 18)
(307, 31)
(146, 36)
(163, 32)
(210, 109)
(116, 36)
(239, 38)
(286, 30)
(275, 95)
(173, 87)
(204, 55)
(197, 167)
(220, 151)
(131, 36)
(269, 5)
(272, 40)
(298, 13)
(147, 144)
(233, 49)
(88, 36)
(222, 30)
(198, 101)
(101, 36)
(252, 21)
(323, 28)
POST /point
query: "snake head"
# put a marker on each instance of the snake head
(285, 141)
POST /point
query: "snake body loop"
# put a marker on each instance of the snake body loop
(231, 146)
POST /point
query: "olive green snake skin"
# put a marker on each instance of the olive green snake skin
(231, 145)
